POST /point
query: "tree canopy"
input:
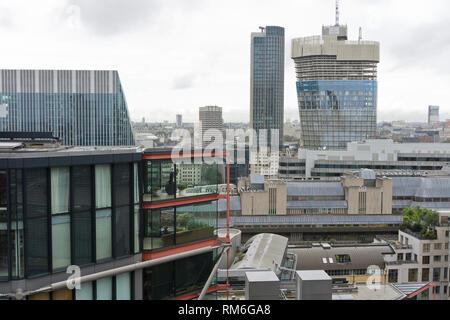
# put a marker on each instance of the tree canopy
(420, 220)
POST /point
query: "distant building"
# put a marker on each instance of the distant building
(384, 156)
(81, 108)
(336, 87)
(267, 81)
(417, 260)
(179, 120)
(433, 115)
(210, 119)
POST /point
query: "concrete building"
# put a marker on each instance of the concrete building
(269, 201)
(265, 162)
(210, 119)
(383, 156)
(267, 81)
(189, 175)
(433, 115)
(81, 108)
(336, 87)
(366, 193)
(357, 193)
(415, 259)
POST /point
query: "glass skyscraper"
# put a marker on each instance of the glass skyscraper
(267, 81)
(336, 88)
(81, 108)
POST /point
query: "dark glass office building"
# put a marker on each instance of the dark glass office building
(267, 81)
(69, 207)
(81, 108)
(336, 88)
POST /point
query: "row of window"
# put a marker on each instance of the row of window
(179, 225)
(426, 247)
(160, 181)
(119, 287)
(51, 218)
(413, 275)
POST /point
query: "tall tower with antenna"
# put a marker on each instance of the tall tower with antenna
(337, 13)
(336, 87)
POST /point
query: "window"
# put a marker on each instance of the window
(159, 180)
(3, 226)
(36, 223)
(137, 210)
(437, 246)
(123, 286)
(426, 247)
(85, 292)
(400, 257)
(425, 260)
(438, 289)
(344, 258)
(60, 191)
(103, 186)
(159, 228)
(103, 215)
(177, 278)
(16, 231)
(412, 275)
(196, 222)
(103, 234)
(393, 276)
(425, 275)
(408, 257)
(445, 273)
(123, 210)
(104, 289)
(81, 215)
(436, 274)
(437, 258)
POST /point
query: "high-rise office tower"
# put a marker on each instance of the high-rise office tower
(179, 120)
(210, 118)
(433, 115)
(267, 81)
(81, 108)
(336, 87)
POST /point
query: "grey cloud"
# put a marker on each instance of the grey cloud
(5, 17)
(108, 17)
(426, 45)
(184, 82)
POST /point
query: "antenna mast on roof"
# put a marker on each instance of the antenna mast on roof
(337, 12)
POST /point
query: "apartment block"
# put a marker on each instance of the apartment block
(419, 260)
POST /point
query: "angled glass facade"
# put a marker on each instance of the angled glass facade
(81, 108)
(334, 113)
(267, 80)
(55, 216)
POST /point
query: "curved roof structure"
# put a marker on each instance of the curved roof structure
(361, 257)
(264, 251)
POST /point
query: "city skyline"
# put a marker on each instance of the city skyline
(161, 79)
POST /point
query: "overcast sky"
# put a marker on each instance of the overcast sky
(174, 56)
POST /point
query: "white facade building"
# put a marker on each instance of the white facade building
(422, 261)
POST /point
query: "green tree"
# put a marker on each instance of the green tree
(420, 220)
